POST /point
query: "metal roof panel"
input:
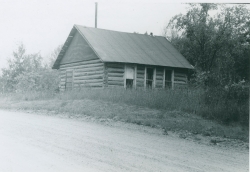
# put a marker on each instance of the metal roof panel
(114, 46)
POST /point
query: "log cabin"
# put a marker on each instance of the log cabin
(93, 57)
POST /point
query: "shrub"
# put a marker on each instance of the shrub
(228, 104)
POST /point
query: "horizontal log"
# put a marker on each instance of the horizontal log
(159, 77)
(62, 70)
(89, 85)
(180, 75)
(69, 79)
(179, 82)
(140, 80)
(115, 75)
(116, 86)
(62, 75)
(88, 77)
(114, 70)
(140, 73)
(81, 66)
(140, 67)
(115, 83)
(140, 84)
(77, 73)
(84, 66)
(89, 69)
(159, 70)
(140, 76)
(110, 65)
(80, 63)
(158, 86)
(86, 83)
(180, 79)
(115, 79)
(77, 82)
(159, 83)
(69, 74)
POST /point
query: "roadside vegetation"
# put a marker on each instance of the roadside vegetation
(170, 110)
(216, 41)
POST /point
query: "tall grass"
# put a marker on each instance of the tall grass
(187, 100)
(195, 101)
(170, 110)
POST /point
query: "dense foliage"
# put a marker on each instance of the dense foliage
(27, 72)
(215, 39)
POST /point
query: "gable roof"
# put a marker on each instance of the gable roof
(113, 46)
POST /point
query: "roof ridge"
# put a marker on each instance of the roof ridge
(142, 34)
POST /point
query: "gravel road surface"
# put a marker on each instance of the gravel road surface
(31, 142)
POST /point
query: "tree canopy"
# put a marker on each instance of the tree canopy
(27, 72)
(215, 39)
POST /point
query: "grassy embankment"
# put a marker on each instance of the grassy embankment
(171, 110)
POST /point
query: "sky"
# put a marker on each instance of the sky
(43, 25)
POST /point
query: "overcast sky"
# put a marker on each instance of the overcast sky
(42, 25)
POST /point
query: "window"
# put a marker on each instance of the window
(149, 77)
(168, 79)
(129, 76)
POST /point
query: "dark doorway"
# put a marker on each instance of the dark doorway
(129, 83)
(168, 79)
(149, 77)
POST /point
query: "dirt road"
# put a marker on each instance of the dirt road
(30, 142)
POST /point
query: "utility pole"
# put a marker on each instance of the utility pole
(96, 4)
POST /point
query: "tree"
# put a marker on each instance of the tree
(26, 72)
(217, 45)
(19, 64)
(43, 79)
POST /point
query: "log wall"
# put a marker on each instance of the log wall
(85, 74)
(180, 78)
(140, 76)
(159, 77)
(94, 73)
(114, 75)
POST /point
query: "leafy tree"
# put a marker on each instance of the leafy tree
(26, 72)
(216, 44)
(19, 64)
(43, 79)
(216, 41)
